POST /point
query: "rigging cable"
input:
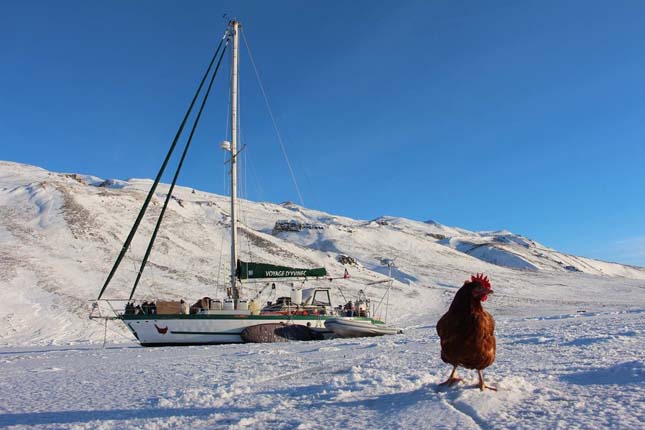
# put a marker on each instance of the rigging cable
(174, 180)
(222, 234)
(226, 188)
(242, 173)
(133, 231)
(275, 125)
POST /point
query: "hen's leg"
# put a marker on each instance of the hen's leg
(452, 378)
(482, 384)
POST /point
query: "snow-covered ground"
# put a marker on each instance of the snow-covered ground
(569, 371)
(569, 329)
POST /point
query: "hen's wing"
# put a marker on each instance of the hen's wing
(441, 326)
(451, 331)
(484, 342)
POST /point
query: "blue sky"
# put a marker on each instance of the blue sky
(526, 116)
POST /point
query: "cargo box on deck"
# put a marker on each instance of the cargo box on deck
(168, 307)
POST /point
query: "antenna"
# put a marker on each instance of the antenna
(390, 263)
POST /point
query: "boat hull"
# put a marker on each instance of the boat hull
(176, 330)
(348, 327)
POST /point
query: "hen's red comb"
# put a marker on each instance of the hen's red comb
(481, 280)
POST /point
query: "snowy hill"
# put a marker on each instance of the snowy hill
(60, 233)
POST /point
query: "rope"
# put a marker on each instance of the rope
(275, 125)
(256, 183)
(150, 284)
(243, 184)
(387, 302)
(105, 334)
(221, 246)
(386, 294)
(226, 189)
(133, 231)
(241, 173)
(218, 282)
(174, 179)
(228, 109)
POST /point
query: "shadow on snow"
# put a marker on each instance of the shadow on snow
(68, 417)
(629, 372)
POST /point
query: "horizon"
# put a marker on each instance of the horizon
(519, 117)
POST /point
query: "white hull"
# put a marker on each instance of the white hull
(348, 327)
(153, 330)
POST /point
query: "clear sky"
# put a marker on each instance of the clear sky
(520, 115)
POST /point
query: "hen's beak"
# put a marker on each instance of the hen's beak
(481, 291)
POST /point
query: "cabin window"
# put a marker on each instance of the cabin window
(321, 298)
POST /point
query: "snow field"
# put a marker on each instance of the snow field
(581, 371)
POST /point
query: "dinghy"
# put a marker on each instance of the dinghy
(359, 327)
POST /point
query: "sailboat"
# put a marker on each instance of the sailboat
(213, 321)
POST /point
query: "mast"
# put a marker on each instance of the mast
(234, 30)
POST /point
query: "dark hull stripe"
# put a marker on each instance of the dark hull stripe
(149, 345)
(210, 333)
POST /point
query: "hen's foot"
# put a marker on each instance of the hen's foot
(482, 386)
(450, 381)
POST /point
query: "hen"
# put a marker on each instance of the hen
(466, 331)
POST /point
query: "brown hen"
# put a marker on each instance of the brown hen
(467, 331)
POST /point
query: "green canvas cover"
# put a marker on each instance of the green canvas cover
(262, 271)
